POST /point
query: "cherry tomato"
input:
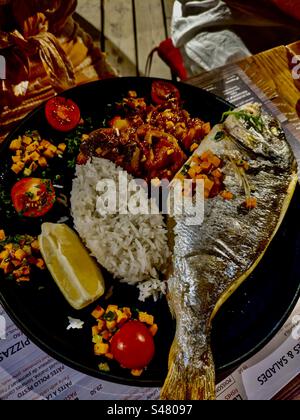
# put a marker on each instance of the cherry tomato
(133, 346)
(163, 91)
(62, 114)
(33, 197)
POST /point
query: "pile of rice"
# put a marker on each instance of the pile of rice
(133, 248)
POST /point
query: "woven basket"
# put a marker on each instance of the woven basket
(45, 52)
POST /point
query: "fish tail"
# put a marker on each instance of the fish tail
(192, 382)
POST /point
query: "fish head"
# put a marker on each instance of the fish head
(260, 134)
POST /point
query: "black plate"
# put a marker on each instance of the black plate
(245, 323)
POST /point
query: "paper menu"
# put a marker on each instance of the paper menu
(26, 373)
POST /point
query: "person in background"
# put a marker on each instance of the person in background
(213, 33)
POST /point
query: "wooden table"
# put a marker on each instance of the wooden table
(130, 29)
(271, 73)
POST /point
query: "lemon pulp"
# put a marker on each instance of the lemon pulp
(73, 269)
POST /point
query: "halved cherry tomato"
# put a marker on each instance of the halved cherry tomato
(33, 197)
(62, 114)
(163, 91)
(133, 346)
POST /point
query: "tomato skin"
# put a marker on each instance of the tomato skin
(133, 346)
(164, 91)
(25, 204)
(62, 114)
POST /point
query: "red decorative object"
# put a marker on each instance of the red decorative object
(291, 7)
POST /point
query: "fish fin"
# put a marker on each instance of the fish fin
(189, 383)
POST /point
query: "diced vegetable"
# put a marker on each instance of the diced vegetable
(112, 321)
(16, 256)
(31, 152)
(251, 203)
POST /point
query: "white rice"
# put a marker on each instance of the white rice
(133, 248)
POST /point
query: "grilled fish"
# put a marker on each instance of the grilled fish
(211, 261)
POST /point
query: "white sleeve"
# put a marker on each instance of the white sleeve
(200, 29)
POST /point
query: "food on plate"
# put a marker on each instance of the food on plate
(19, 255)
(125, 336)
(134, 248)
(31, 152)
(162, 92)
(211, 261)
(74, 271)
(62, 114)
(33, 197)
(148, 141)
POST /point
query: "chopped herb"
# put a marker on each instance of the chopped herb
(135, 313)
(185, 169)
(253, 121)
(110, 316)
(219, 136)
(29, 195)
(104, 367)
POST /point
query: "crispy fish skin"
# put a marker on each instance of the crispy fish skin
(211, 261)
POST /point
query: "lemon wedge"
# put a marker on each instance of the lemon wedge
(73, 269)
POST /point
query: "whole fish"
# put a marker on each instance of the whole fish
(211, 261)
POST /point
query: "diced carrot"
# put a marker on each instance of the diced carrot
(101, 325)
(206, 156)
(49, 154)
(137, 373)
(27, 140)
(42, 162)
(20, 254)
(194, 147)
(106, 335)
(4, 255)
(15, 145)
(95, 331)
(35, 246)
(205, 167)
(111, 325)
(206, 128)
(101, 349)
(34, 156)
(62, 147)
(196, 159)
(32, 147)
(217, 174)
(41, 264)
(227, 195)
(112, 308)
(146, 318)
(16, 159)
(215, 161)
(18, 167)
(208, 185)
(45, 144)
(194, 171)
(127, 311)
(153, 329)
(251, 203)
(98, 312)
(109, 356)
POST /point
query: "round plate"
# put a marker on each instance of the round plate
(246, 322)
